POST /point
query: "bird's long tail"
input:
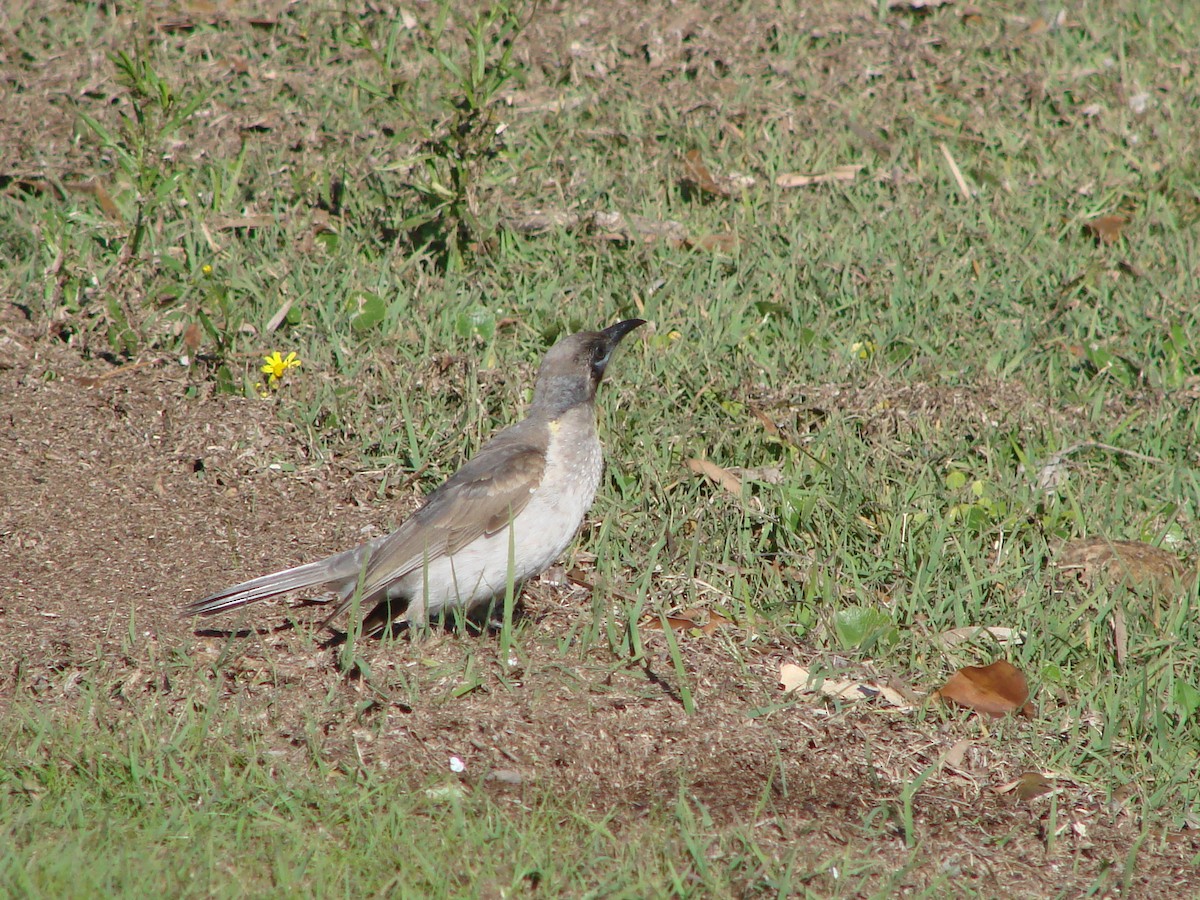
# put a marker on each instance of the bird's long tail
(311, 575)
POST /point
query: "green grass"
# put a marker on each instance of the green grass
(998, 333)
(170, 802)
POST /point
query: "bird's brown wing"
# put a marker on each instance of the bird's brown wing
(481, 498)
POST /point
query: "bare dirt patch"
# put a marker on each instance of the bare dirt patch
(122, 499)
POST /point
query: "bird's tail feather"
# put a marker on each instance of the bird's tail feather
(310, 575)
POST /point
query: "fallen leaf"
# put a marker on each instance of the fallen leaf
(697, 177)
(698, 180)
(103, 199)
(1120, 636)
(280, 314)
(1106, 229)
(839, 173)
(703, 620)
(767, 422)
(1133, 563)
(793, 677)
(723, 477)
(955, 755)
(193, 335)
(1027, 785)
(995, 690)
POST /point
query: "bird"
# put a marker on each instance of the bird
(505, 516)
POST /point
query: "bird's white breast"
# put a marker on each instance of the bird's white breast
(538, 535)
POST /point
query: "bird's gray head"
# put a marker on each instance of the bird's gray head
(571, 369)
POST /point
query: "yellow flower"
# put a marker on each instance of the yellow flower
(277, 365)
(863, 349)
(206, 270)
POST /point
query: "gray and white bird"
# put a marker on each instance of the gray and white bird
(514, 507)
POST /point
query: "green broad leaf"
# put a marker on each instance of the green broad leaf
(366, 310)
(856, 625)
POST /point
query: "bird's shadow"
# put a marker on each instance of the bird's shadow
(486, 619)
(227, 633)
(483, 620)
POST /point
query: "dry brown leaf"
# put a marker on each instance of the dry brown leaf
(105, 202)
(995, 690)
(1120, 636)
(193, 335)
(280, 314)
(955, 755)
(1106, 229)
(702, 620)
(103, 199)
(1134, 563)
(1027, 785)
(721, 476)
(792, 676)
(697, 177)
(837, 174)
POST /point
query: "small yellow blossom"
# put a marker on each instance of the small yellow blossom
(277, 365)
(206, 270)
(863, 349)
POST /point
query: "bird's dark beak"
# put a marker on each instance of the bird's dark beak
(614, 333)
(609, 338)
